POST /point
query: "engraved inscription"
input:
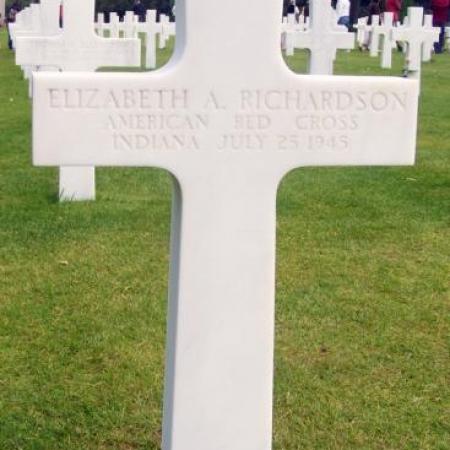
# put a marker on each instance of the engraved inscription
(247, 120)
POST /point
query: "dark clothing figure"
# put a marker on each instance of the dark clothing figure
(354, 14)
(375, 8)
(440, 15)
(11, 18)
(294, 6)
(139, 10)
(291, 9)
(425, 4)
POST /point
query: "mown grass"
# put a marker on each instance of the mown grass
(363, 317)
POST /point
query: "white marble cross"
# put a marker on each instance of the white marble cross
(415, 35)
(114, 25)
(384, 30)
(323, 38)
(101, 25)
(432, 37)
(151, 28)
(290, 28)
(168, 30)
(48, 21)
(374, 45)
(50, 26)
(22, 22)
(50, 10)
(31, 24)
(78, 48)
(129, 25)
(362, 29)
(228, 123)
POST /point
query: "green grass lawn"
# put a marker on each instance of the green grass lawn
(363, 305)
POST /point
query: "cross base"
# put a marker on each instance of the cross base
(76, 184)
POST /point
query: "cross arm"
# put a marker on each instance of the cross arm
(34, 50)
(77, 55)
(168, 120)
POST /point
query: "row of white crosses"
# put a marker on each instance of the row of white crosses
(291, 25)
(131, 27)
(417, 35)
(249, 120)
(321, 35)
(43, 20)
(76, 49)
(27, 22)
(383, 30)
(151, 28)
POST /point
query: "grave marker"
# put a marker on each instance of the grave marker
(168, 30)
(290, 28)
(78, 48)
(114, 25)
(150, 28)
(228, 123)
(415, 35)
(31, 25)
(374, 45)
(101, 25)
(362, 29)
(384, 30)
(433, 36)
(323, 38)
(129, 25)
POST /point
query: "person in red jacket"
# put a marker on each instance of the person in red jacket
(440, 15)
(394, 6)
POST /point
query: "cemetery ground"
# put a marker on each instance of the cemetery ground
(363, 305)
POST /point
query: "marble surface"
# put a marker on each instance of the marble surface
(228, 122)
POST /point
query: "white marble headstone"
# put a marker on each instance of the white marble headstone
(432, 37)
(168, 30)
(415, 35)
(228, 123)
(100, 27)
(151, 28)
(78, 48)
(384, 30)
(362, 29)
(323, 38)
(129, 25)
(114, 25)
(374, 45)
(290, 28)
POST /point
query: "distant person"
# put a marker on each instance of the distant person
(394, 7)
(354, 13)
(425, 4)
(440, 10)
(139, 10)
(343, 12)
(375, 9)
(292, 8)
(11, 18)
